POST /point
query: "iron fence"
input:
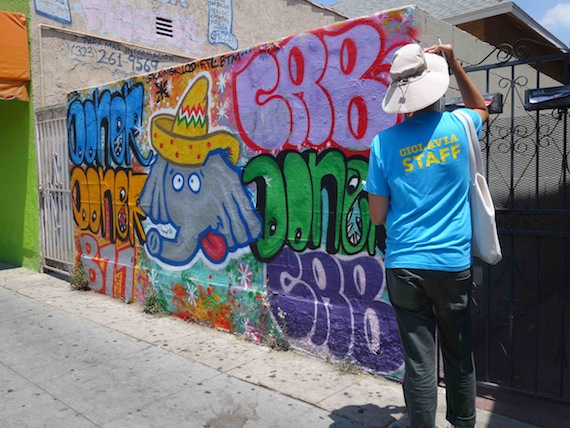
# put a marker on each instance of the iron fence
(521, 306)
(56, 219)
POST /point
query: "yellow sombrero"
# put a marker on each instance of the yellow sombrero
(184, 138)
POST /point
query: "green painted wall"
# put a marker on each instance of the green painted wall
(22, 6)
(19, 208)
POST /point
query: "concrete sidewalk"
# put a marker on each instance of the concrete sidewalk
(81, 359)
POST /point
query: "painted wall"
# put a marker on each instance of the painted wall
(101, 41)
(231, 188)
(19, 227)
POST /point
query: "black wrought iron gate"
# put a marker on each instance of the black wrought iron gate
(522, 305)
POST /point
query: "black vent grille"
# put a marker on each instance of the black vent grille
(164, 27)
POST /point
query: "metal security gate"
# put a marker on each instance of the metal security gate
(56, 219)
(521, 316)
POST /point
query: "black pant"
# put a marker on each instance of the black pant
(422, 300)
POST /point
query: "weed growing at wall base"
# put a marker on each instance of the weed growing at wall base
(276, 340)
(79, 279)
(276, 334)
(153, 305)
(346, 367)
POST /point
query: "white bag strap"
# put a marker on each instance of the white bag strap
(475, 159)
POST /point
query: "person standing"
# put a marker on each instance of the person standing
(418, 186)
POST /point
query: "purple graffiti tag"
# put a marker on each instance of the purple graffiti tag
(291, 96)
(376, 342)
(357, 53)
(335, 303)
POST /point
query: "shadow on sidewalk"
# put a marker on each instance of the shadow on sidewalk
(369, 415)
(526, 409)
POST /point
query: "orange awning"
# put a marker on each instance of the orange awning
(14, 56)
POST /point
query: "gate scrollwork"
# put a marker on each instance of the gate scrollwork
(519, 50)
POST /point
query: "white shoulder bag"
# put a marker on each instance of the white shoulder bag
(485, 241)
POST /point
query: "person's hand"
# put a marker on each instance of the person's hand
(469, 92)
(447, 52)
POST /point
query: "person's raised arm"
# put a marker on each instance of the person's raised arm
(469, 93)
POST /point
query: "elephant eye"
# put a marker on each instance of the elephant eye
(194, 183)
(178, 182)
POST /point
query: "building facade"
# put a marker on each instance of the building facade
(19, 222)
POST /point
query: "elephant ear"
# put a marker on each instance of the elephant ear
(153, 198)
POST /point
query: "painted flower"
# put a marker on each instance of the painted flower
(246, 325)
(256, 336)
(169, 86)
(192, 295)
(222, 81)
(153, 278)
(222, 111)
(179, 290)
(249, 330)
(245, 275)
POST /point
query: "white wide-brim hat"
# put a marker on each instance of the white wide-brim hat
(419, 79)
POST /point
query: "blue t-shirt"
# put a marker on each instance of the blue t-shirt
(422, 165)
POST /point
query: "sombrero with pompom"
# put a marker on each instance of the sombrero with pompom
(184, 138)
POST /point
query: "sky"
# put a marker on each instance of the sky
(553, 15)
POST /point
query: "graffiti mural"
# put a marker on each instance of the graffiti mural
(335, 303)
(286, 204)
(193, 172)
(230, 188)
(107, 178)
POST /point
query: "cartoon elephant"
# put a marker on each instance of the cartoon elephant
(206, 205)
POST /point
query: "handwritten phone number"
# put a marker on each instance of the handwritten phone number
(115, 59)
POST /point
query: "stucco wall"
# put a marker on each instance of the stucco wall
(19, 234)
(231, 188)
(82, 43)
